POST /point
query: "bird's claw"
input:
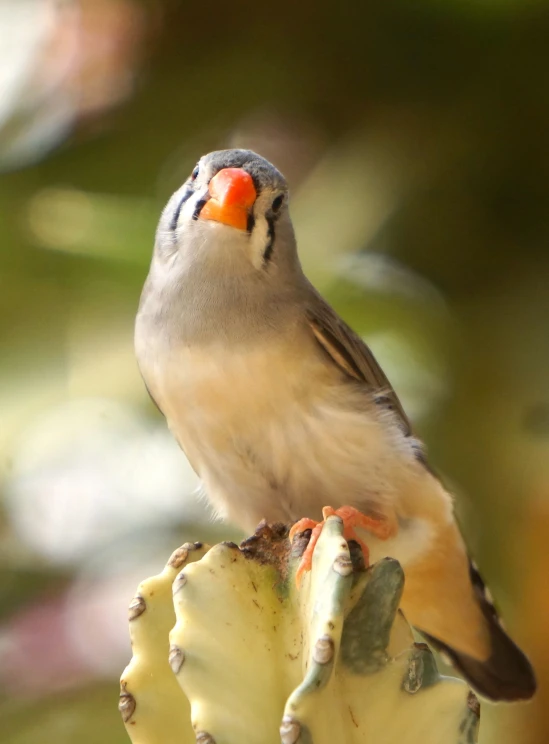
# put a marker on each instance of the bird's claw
(351, 518)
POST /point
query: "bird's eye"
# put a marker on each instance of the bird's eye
(277, 203)
(194, 174)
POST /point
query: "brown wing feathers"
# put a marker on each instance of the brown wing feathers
(353, 356)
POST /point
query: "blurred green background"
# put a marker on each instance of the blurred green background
(416, 141)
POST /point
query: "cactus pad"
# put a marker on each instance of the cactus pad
(253, 659)
(151, 704)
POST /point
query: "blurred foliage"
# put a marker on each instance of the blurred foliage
(79, 716)
(415, 137)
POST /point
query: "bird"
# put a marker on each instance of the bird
(281, 408)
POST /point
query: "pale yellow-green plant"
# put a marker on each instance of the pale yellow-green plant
(227, 650)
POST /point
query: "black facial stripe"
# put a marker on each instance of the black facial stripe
(270, 240)
(251, 222)
(175, 217)
(198, 208)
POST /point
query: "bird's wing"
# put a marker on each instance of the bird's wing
(465, 625)
(352, 355)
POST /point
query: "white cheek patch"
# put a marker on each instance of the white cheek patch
(258, 241)
(190, 205)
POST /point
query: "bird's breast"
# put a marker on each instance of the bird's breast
(277, 432)
(218, 396)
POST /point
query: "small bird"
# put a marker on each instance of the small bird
(282, 409)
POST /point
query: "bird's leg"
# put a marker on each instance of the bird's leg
(381, 527)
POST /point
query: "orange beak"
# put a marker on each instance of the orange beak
(232, 193)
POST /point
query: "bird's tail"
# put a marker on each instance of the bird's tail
(506, 674)
(447, 601)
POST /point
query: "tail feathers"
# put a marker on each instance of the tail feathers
(506, 674)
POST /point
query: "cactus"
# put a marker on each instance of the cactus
(253, 659)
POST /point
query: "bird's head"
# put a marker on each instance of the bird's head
(232, 212)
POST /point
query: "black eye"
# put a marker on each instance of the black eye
(194, 174)
(277, 203)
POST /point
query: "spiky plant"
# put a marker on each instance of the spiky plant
(227, 650)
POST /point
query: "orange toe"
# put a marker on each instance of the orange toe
(306, 561)
(380, 526)
(301, 526)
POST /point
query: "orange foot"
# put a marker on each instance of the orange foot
(352, 518)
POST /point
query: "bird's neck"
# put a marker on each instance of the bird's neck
(195, 308)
